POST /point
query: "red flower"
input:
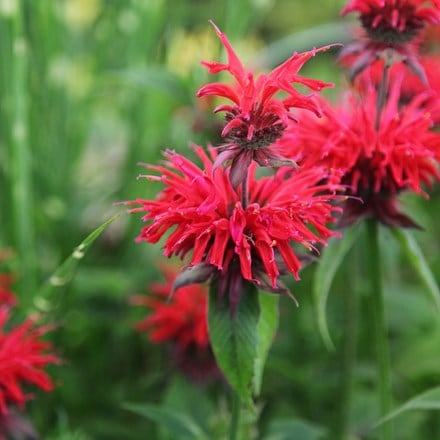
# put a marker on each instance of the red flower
(376, 165)
(411, 83)
(256, 117)
(229, 240)
(181, 320)
(23, 355)
(7, 297)
(391, 27)
(394, 21)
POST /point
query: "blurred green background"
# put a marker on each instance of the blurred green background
(88, 89)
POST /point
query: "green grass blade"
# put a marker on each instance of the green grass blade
(416, 258)
(428, 400)
(64, 273)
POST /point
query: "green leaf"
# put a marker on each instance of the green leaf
(417, 260)
(294, 429)
(180, 425)
(266, 329)
(64, 273)
(234, 338)
(428, 400)
(329, 262)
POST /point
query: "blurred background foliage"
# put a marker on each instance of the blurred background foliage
(88, 89)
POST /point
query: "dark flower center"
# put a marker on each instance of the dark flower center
(266, 130)
(389, 32)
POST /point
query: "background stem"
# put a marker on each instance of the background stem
(348, 355)
(379, 324)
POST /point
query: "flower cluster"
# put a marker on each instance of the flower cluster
(181, 321)
(234, 227)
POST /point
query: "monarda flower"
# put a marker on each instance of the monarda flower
(375, 164)
(180, 320)
(23, 357)
(229, 240)
(391, 27)
(411, 83)
(7, 297)
(256, 117)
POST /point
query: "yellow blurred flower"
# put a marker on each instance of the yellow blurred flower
(8, 7)
(75, 76)
(81, 13)
(186, 50)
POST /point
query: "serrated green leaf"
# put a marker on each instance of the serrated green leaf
(180, 425)
(329, 262)
(234, 338)
(428, 400)
(416, 258)
(266, 329)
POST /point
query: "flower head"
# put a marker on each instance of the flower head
(394, 21)
(256, 116)
(375, 164)
(180, 320)
(23, 356)
(205, 217)
(391, 28)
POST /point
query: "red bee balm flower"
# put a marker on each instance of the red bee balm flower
(182, 321)
(256, 118)
(22, 359)
(390, 24)
(227, 239)
(376, 164)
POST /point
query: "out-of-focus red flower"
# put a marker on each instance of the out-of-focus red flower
(411, 83)
(205, 217)
(181, 321)
(23, 356)
(256, 116)
(394, 21)
(375, 164)
(180, 318)
(391, 28)
(7, 297)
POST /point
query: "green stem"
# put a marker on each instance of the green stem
(382, 95)
(21, 171)
(349, 352)
(235, 417)
(379, 324)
